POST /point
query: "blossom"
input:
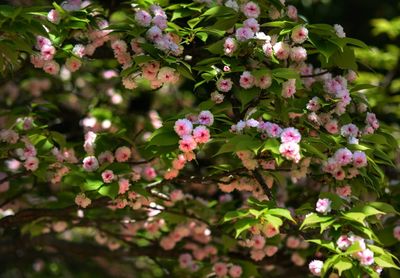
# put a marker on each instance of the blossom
(220, 269)
(332, 127)
(343, 156)
(246, 80)
(270, 230)
(339, 31)
(143, 18)
(229, 46)
(183, 127)
(315, 267)
(31, 163)
(51, 67)
(349, 130)
(187, 143)
(258, 242)
(292, 12)
(314, 104)
(206, 118)
(201, 134)
(366, 257)
(167, 75)
(185, 260)
(73, 64)
(396, 232)
(299, 34)
(281, 50)
(290, 150)
(47, 52)
(232, 4)
(122, 154)
(343, 242)
(264, 81)
(344, 191)
(289, 88)
(290, 134)
(224, 85)
(90, 163)
(82, 201)
(244, 34)
(235, 271)
(123, 186)
(359, 159)
(270, 250)
(149, 173)
(298, 54)
(252, 24)
(323, 206)
(250, 10)
(107, 176)
(217, 97)
(54, 16)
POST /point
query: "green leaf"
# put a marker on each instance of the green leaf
(324, 243)
(110, 190)
(314, 218)
(272, 145)
(244, 224)
(230, 215)
(342, 265)
(91, 185)
(281, 212)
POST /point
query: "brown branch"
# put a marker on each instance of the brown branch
(314, 75)
(257, 175)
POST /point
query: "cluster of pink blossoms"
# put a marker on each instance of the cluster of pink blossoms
(190, 138)
(345, 158)
(223, 270)
(290, 137)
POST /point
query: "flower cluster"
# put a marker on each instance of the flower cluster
(344, 159)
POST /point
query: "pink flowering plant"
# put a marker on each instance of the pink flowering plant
(206, 139)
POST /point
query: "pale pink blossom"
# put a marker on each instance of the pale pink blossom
(314, 104)
(298, 54)
(244, 33)
(224, 85)
(323, 205)
(290, 150)
(344, 191)
(167, 75)
(292, 12)
(252, 23)
(366, 257)
(247, 80)
(258, 242)
(343, 156)
(396, 232)
(349, 130)
(73, 64)
(343, 242)
(201, 134)
(185, 260)
(122, 154)
(106, 157)
(90, 163)
(123, 186)
(229, 46)
(270, 250)
(299, 34)
(339, 31)
(149, 173)
(51, 67)
(220, 269)
(250, 10)
(206, 118)
(281, 50)
(359, 159)
(290, 134)
(107, 176)
(183, 127)
(143, 18)
(187, 143)
(289, 88)
(235, 271)
(31, 164)
(332, 127)
(54, 16)
(217, 97)
(270, 230)
(257, 254)
(264, 82)
(315, 267)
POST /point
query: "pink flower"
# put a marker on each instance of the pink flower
(82, 201)
(106, 156)
(290, 134)
(229, 46)
(90, 163)
(270, 250)
(290, 150)
(53, 16)
(263, 82)
(167, 75)
(224, 85)
(396, 232)
(176, 195)
(47, 52)
(122, 154)
(366, 257)
(107, 176)
(281, 50)
(247, 80)
(220, 269)
(323, 206)
(252, 24)
(349, 130)
(343, 242)
(359, 159)
(289, 88)
(292, 242)
(258, 242)
(201, 134)
(31, 163)
(250, 10)
(344, 191)
(143, 18)
(298, 54)
(187, 143)
(160, 22)
(314, 104)
(154, 34)
(332, 127)
(123, 186)
(179, 162)
(167, 243)
(315, 267)
(217, 97)
(299, 34)
(243, 34)
(183, 127)
(292, 12)
(185, 260)
(235, 271)
(268, 49)
(41, 41)
(343, 156)
(270, 230)
(79, 50)
(171, 174)
(206, 118)
(257, 255)
(51, 67)
(73, 64)
(149, 173)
